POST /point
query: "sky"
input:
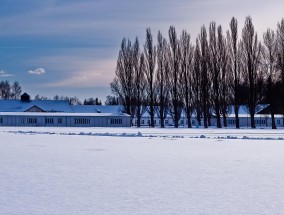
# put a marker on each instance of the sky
(70, 47)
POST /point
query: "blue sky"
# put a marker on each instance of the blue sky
(69, 47)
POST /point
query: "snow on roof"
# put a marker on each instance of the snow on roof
(96, 108)
(60, 114)
(46, 105)
(243, 110)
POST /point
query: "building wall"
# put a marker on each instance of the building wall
(261, 121)
(65, 121)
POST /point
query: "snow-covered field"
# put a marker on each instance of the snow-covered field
(121, 171)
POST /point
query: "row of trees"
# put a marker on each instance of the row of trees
(14, 91)
(203, 77)
(72, 100)
(10, 91)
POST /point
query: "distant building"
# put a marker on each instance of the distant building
(262, 118)
(26, 112)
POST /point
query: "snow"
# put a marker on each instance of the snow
(70, 171)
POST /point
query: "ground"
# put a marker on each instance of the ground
(71, 171)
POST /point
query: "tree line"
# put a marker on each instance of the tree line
(205, 76)
(13, 91)
(10, 91)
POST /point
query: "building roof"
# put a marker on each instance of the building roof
(60, 114)
(96, 109)
(45, 105)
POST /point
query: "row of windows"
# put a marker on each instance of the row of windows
(260, 121)
(51, 121)
(166, 122)
(29, 120)
(82, 121)
(231, 121)
(115, 121)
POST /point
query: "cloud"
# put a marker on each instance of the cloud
(88, 73)
(5, 74)
(39, 71)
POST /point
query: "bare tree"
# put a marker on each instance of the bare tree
(225, 78)
(204, 75)
(196, 79)
(280, 59)
(175, 77)
(214, 69)
(112, 100)
(162, 79)
(16, 90)
(269, 64)
(150, 61)
(187, 51)
(232, 36)
(139, 94)
(5, 90)
(251, 56)
(122, 85)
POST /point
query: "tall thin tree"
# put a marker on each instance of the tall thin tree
(122, 85)
(162, 79)
(150, 61)
(176, 100)
(187, 51)
(269, 64)
(232, 36)
(251, 55)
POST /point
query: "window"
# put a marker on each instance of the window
(181, 122)
(142, 121)
(1, 120)
(155, 122)
(278, 121)
(166, 122)
(116, 121)
(59, 121)
(82, 121)
(48, 120)
(193, 122)
(260, 122)
(231, 121)
(32, 120)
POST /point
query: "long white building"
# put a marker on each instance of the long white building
(26, 112)
(261, 120)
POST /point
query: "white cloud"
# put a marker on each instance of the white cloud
(38, 71)
(5, 74)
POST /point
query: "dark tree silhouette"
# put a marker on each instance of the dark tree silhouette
(122, 85)
(162, 79)
(187, 51)
(139, 94)
(150, 62)
(215, 71)
(280, 60)
(232, 36)
(251, 57)
(175, 77)
(196, 79)
(269, 66)
(204, 57)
